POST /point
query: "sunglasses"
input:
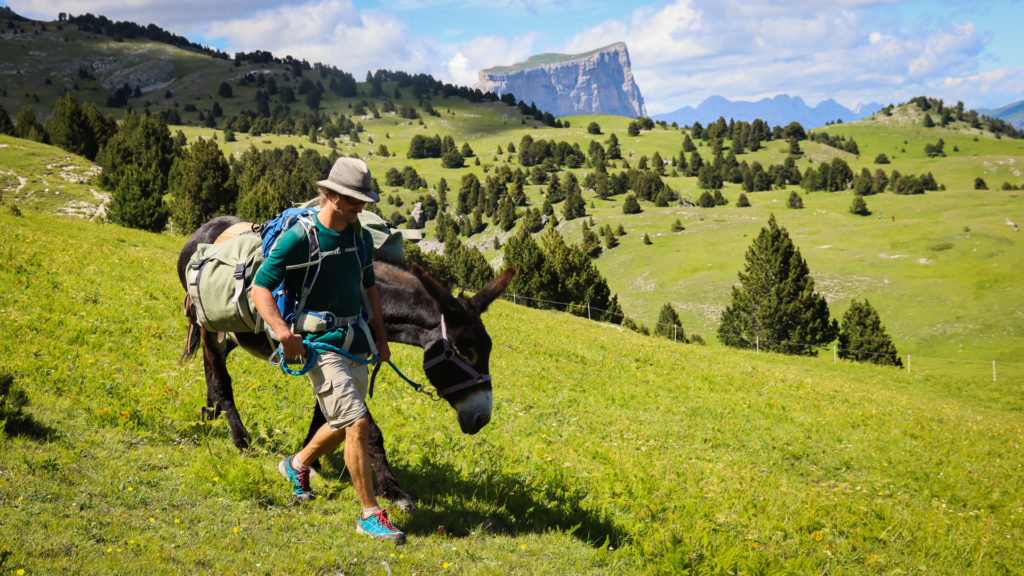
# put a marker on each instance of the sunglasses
(352, 201)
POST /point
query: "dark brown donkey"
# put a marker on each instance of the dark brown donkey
(418, 311)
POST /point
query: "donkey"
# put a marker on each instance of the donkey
(418, 310)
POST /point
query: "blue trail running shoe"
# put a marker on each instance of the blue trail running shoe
(378, 526)
(298, 478)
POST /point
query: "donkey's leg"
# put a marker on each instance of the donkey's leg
(387, 484)
(220, 396)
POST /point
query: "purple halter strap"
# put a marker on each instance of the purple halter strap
(450, 355)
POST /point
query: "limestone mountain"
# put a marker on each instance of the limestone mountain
(596, 82)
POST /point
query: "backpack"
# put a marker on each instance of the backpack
(219, 276)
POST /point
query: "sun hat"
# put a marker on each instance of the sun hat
(351, 177)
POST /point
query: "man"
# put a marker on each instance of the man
(339, 383)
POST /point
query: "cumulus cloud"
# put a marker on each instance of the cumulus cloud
(686, 50)
(484, 52)
(180, 17)
(328, 31)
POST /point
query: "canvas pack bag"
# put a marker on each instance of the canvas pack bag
(219, 276)
(218, 279)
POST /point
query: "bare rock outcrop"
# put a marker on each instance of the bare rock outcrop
(596, 82)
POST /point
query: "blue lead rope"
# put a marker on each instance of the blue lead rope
(313, 353)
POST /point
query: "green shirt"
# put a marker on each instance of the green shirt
(336, 289)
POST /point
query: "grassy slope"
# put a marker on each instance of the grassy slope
(682, 456)
(943, 275)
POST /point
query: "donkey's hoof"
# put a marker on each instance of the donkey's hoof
(406, 505)
(207, 413)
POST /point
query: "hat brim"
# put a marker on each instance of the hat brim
(366, 195)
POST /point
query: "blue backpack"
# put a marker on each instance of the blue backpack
(289, 303)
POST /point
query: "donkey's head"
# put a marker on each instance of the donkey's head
(457, 353)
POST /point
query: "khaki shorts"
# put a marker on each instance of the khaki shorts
(340, 386)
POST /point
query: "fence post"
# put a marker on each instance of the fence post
(757, 342)
(908, 363)
(993, 370)
(513, 297)
(588, 311)
(673, 332)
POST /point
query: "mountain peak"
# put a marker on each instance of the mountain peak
(596, 82)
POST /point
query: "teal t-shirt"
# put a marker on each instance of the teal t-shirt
(336, 289)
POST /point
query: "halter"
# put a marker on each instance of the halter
(450, 355)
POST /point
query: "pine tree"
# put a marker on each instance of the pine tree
(859, 206)
(6, 125)
(631, 205)
(142, 151)
(775, 306)
(669, 325)
(260, 202)
(200, 186)
(137, 202)
(863, 338)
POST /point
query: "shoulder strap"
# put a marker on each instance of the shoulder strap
(313, 262)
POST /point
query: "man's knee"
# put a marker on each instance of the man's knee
(360, 428)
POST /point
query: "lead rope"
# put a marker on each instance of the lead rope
(313, 353)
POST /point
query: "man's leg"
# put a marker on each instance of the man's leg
(357, 459)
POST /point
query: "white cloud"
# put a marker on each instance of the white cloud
(849, 50)
(484, 52)
(328, 31)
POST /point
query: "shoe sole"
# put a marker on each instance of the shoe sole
(284, 472)
(398, 538)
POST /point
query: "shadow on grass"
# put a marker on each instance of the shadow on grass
(499, 504)
(26, 426)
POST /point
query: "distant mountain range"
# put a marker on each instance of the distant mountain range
(1011, 113)
(777, 111)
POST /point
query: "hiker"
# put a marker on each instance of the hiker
(341, 284)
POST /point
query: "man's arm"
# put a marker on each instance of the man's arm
(266, 305)
(373, 295)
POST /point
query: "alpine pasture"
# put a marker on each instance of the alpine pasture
(609, 452)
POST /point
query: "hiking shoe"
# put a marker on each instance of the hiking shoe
(378, 526)
(298, 478)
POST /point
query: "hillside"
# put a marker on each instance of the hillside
(609, 453)
(957, 246)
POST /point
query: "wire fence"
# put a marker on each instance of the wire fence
(1006, 371)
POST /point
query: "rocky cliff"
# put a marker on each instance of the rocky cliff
(597, 82)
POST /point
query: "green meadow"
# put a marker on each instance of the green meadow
(609, 452)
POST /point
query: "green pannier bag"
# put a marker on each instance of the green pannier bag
(219, 276)
(218, 279)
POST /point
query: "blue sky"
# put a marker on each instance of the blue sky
(682, 51)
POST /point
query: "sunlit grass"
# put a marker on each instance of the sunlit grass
(608, 452)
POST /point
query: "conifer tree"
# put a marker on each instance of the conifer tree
(631, 205)
(6, 125)
(200, 186)
(142, 151)
(863, 338)
(775, 305)
(669, 325)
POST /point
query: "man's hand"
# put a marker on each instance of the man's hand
(292, 346)
(384, 350)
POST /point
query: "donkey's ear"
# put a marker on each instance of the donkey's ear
(482, 299)
(436, 290)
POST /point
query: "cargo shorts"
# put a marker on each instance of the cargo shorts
(340, 384)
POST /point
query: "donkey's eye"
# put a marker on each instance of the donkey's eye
(468, 354)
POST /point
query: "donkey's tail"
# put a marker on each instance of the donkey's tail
(192, 340)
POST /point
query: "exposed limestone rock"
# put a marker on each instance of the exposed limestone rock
(597, 82)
